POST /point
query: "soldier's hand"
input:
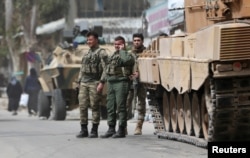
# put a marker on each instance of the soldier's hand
(131, 77)
(136, 74)
(77, 89)
(121, 46)
(78, 85)
(99, 87)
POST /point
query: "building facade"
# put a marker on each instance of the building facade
(111, 8)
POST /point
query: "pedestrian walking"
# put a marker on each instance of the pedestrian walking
(91, 82)
(32, 87)
(119, 68)
(137, 90)
(14, 91)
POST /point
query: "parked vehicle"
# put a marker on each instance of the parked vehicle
(199, 82)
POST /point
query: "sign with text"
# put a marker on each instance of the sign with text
(229, 149)
(157, 19)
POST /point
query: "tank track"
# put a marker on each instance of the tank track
(230, 115)
(228, 110)
(159, 125)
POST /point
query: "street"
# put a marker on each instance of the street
(24, 136)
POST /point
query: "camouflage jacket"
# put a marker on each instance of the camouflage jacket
(93, 65)
(135, 53)
(120, 65)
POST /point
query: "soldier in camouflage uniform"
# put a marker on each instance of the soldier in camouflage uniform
(138, 89)
(118, 70)
(91, 82)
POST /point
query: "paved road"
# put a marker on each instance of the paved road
(22, 136)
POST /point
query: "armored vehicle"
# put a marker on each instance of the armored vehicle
(199, 83)
(58, 79)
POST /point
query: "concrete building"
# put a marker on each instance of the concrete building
(117, 17)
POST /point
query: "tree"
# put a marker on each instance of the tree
(8, 23)
(21, 20)
(50, 10)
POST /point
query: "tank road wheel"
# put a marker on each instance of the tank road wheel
(196, 113)
(58, 105)
(180, 113)
(173, 112)
(43, 105)
(166, 111)
(187, 114)
(204, 118)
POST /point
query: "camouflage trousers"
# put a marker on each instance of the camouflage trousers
(141, 106)
(89, 97)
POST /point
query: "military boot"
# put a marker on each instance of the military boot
(138, 128)
(120, 133)
(94, 131)
(109, 133)
(84, 131)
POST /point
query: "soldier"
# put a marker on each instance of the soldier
(138, 89)
(118, 70)
(91, 81)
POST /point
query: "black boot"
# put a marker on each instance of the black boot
(109, 133)
(120, 133)
(94, 131)
(84, 131)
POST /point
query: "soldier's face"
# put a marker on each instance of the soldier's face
(119, 44)
(92, 41)
(137, 42)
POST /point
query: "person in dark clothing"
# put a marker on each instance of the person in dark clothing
(32, 87)
(14, 91)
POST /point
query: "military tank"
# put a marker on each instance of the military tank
(59, 76)
(198, 82)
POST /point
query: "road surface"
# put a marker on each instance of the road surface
(22, 136)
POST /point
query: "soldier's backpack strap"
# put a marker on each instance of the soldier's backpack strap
(98, 54)
(99, 50)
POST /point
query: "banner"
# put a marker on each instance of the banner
(157, 19)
